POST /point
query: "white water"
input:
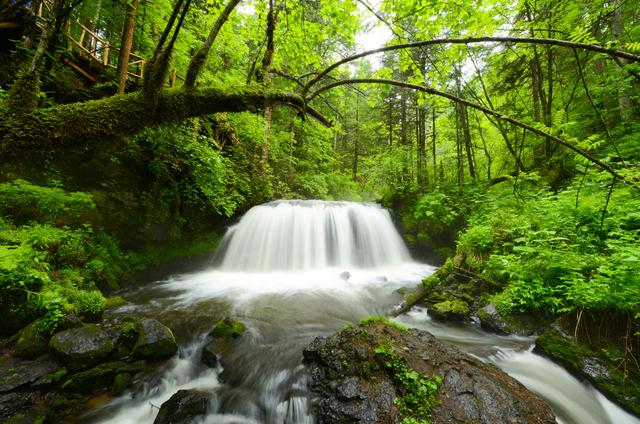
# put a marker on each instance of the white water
(312, 234)
(287, 284)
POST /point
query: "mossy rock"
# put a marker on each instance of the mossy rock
(32, 342)
(155, 340)
(227, 327)
(81, 348)
(492, 320)
(450, 310)
(598, 366)
(103, 376)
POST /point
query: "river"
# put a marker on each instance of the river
(292, 271)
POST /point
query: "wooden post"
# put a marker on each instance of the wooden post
(127, 43)
(105, 55)
(82, 34)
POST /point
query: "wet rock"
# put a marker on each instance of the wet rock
(352, 383)
(227, 327)
(81, 348)
(209, 355)
(183, 407)
(102, 376)
(450, 310)
(14, 404)
(15, 373)
(155, 340)
(31, 342)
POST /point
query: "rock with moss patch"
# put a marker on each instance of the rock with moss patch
(183, 407)
(227, 327)
(83, 347)
(450, 310)
(102, 376)
(367, 374)
(492, 320)
(32, 342)
(155, 340)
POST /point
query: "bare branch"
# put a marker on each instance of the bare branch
(473, 40)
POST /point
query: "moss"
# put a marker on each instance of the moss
(23, 94)
(451, 309)
(383, 320)
(419, 395)
(228, 327)
(114, 302)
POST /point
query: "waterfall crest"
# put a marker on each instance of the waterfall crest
(288, 235)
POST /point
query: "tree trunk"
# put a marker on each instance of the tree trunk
(433, 146)
(265, 76)
(421, 160)
(617, 32)
(198, 60)
(125, 47)
(467, 141)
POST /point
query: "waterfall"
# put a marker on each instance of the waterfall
(290, 235)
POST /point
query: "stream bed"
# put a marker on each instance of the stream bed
(287, 301)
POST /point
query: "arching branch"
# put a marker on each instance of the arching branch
(483, 109)
(474, 40)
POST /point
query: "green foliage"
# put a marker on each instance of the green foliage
(419, 396)
(50, 271)
(25, 202)
(551, 253)
(436, 210)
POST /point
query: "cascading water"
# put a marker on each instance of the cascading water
(312, 234)
(292, 271)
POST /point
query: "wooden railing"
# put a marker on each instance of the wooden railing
(91, 46)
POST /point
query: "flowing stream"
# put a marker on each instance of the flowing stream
(292, 271)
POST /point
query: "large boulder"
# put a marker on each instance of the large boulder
(183, 407)
(83, 347)
(155, 340)
(379, 374)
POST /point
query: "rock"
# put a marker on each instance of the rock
(227, 327)
(155, 340)
(102, 376)
(31, 342)
(602, 369)
(81, 348)
(450, 310)
(492, 320)
(379, 374)
(209, 355)
(13, 405)
(16, 373)
(183, 407)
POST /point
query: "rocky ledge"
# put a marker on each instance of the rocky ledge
(381, 373)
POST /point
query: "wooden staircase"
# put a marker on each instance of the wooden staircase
(90, 50)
